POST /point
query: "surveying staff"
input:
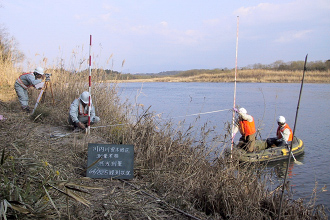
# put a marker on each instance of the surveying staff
(25, 81)
(78, 115)
(283, 134)
(245, 124)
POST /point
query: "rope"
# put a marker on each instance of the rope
(56, 136)
(203, 113)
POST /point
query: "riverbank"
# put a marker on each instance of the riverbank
(44, 168)
(248, 75)
(44, 173)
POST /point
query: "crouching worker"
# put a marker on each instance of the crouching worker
(78, 115)
(283, 134)
(25, 81)
(245, 124)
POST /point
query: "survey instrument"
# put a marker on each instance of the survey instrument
(43, 91)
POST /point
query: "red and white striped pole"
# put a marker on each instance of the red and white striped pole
(90, 85)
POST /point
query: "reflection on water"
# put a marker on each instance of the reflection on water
(264, 101)
(280, 169)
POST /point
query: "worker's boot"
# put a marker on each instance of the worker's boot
(26, 109)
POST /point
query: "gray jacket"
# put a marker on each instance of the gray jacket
(74, 111)
(27, 80)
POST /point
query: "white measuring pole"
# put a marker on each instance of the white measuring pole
(90, 85)
(234, 105)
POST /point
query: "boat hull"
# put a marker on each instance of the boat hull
(264, 154)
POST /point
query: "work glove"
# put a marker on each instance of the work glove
(235, 110)
(233, 137)
(81, 125)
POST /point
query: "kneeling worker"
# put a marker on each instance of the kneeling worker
(245, 124)
(78, 115)
(283, 134)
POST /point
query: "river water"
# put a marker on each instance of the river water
(264, 101)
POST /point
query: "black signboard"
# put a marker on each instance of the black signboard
(110, 161)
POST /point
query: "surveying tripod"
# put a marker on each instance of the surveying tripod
(43, 90)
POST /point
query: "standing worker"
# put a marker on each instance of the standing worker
(78, 115)
(245, 124)
(25, 81)
(283, 134)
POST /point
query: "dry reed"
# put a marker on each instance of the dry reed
(172, 163)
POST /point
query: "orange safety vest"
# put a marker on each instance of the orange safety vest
(247, 128)
(20, 81)
(81, 109)
(280, 130)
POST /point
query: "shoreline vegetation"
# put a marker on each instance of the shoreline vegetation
(42, 176)
(250, 75)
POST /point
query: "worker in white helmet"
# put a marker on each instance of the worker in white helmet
(25, 81)
(78, 115)
(245, 124)
(283, 134)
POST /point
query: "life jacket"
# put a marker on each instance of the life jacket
(81, 109)
(20, 81)
(247, 128)
(280, 131)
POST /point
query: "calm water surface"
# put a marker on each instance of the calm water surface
(265, 101)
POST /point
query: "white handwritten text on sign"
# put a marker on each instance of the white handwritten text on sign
(110, 161)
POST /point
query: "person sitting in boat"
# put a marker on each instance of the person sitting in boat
(283, 134)
(245, 124)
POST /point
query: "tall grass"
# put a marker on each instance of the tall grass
(170, 161)
(8, 75)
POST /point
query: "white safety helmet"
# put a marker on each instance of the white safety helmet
(84, 97)
(242, 111)
(39, 70)
(281, 119)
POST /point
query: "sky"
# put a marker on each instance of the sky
(151, 36)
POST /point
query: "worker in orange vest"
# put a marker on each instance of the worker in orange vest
(24, 82)
(245, 124)
(283, 134)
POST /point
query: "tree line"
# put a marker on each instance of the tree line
(292, 65)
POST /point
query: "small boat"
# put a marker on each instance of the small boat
(265, 154)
